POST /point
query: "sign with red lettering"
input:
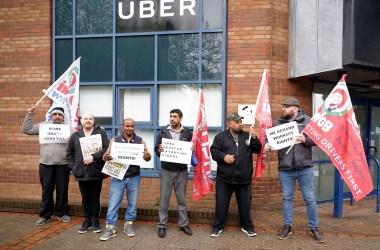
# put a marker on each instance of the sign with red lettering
(335, 130)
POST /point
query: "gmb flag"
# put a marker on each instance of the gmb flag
(335, 130)
(202, 183)
(263, 115)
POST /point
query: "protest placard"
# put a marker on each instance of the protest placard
(282, 136)
(176, 151)
(115, 169)
(53, 133)
(127, 153)
(90, 144)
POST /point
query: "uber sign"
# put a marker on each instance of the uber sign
(156, 15)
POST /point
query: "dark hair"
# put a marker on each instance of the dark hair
(178, 111)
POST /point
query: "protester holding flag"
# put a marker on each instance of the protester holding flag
(88, 171)
(130, 183)
(173, 175)
(53, 169)
(233, 150)
(296, 165)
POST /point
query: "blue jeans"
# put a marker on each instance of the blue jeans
(117, 187)
(305, 179)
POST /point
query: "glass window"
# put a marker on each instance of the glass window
(178, 57)
(135, 103)
(212, 14)
(178, 15)
(63, 56)
(148, 137)
(96, 62)
(93, 17)
(212, 56)
(63, 17)
(98, 101)
(135, 58)
(180, 96)
(213, 103)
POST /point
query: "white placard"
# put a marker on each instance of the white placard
(115, 169)
(176, 151)
(90, 144)
(54, 133)
(127, 153)
(282, 136)
(247, 111)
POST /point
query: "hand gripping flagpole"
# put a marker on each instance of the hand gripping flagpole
(257, 100)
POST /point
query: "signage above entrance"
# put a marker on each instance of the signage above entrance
(156, 15)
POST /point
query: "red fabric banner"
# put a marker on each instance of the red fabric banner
(263, 115)
(202, 183)
(335, 130)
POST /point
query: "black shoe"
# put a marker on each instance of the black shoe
(186, 230)
(161, 232)
(96, 226)
(216, 232)
(87, 224)
(287, 230)
(317, 235)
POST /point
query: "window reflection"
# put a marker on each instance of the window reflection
(212, 56)
(178, 57)
(63, 17)
(93, 17)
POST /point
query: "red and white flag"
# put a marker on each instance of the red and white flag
(65, 93)
(202, 183)
(263, 115)
(335, 130)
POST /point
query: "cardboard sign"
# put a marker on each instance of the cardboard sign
(127, 153)
(115, 169)
(282, 136)
(54, 133)
(247, 111)
(90, 144)
(176, 151)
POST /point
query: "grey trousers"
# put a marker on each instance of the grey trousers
(168, 181)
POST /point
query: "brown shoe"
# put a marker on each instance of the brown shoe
(282, 235)
(317, 235)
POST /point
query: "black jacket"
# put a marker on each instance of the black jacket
(300, 155)
(185, 135)
(239, 172)
(81, 171)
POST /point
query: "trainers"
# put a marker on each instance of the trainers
(64, 218)
(250, 232)
(317, 235)
(87, 224)
(110, 232)
(96, 226)
(287, 230)
(215, 232)
(42, 221)
(128, 228)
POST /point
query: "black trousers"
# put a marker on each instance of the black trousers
(54, 177)
(223, 197)
(90, 191)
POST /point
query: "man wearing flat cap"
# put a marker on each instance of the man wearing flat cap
(53, 169)
(296, 165)
(232, 150)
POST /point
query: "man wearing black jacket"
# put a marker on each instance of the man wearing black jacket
(296, 165)
(88, 171)
(232, 150)
(173, 175)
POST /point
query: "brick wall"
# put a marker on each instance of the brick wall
(257, 38)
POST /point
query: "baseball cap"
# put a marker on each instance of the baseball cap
(234, 117)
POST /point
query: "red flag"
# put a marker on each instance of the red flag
(335, 130)
(263, 115)
(202, 183)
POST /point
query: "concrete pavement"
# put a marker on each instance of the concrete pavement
(358, 229)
